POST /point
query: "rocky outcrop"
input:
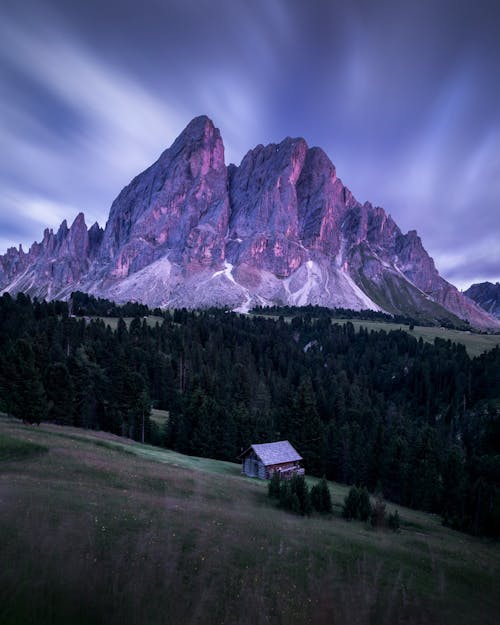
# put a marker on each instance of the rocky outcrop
(486, 295)
(178, 207)
(279, 229)
(264, 223)
(324, 203)
(56, 265)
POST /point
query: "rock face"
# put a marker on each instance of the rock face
(54, 266)
(279, 229)
(487, 295)
(178, 207)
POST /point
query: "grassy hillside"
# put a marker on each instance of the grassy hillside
(475, 344)
(96, 529)
(112, 322)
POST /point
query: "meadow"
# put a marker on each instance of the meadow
(98, 529)
(474, 343)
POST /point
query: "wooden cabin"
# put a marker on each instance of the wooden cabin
(267, 458)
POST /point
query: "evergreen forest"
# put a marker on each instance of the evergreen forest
(419, 422)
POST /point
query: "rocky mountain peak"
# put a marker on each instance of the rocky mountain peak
(200, 144)
(63, 229)
(486, 295)
(322, 202)
(179, 205)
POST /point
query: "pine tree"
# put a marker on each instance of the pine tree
(274, 486)
(454, 488)
(28, 397)
(60, 393)
(393, 521)
(351, 504)
(378, 518)
(321, 500)
(306, 428)
(299, 487)
(364, 505)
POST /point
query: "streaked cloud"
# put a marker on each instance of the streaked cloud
(403, 97)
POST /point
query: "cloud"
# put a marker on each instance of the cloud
(402, 97)
(24, 216)
(121, 126)
(46, 213)
(117, 112)
(477, 262)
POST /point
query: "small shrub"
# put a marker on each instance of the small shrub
(294, 504)
(321, 500)
(351, 504)
(299, 487)
(378, 512)
(285, 495)
(291, 494)
(273, 488)
(364, 506)
(393, 521)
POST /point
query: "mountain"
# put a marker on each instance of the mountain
(59, 260)
(279, 229)
(487, 295)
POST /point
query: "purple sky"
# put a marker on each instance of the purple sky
(403, 96)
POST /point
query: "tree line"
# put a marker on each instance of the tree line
(419, 422)
(315, 311)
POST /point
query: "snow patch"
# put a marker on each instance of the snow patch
(227, 271)
(310, 345)
(247, 304)
(313, 279)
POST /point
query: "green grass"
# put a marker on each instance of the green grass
(112, 322)
(104, 530)
(475, 344)
(16, 449)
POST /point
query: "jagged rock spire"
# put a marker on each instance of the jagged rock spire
(280, 228)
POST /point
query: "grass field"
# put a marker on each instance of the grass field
(112, 322)
(97, 529)
(475, 344)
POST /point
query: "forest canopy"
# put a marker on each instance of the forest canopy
(418, 421)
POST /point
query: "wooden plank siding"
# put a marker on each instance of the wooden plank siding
(285, 469)
(257, 461)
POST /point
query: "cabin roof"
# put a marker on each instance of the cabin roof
(274, 453)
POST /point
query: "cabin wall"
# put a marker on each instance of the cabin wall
(250, 466)
(282, 465)
(253, 467)
(286, 469)
(263, 474)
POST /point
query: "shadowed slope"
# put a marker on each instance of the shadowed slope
(102, 530)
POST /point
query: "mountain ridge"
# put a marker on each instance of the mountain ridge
(486, 295)
(280, 228)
